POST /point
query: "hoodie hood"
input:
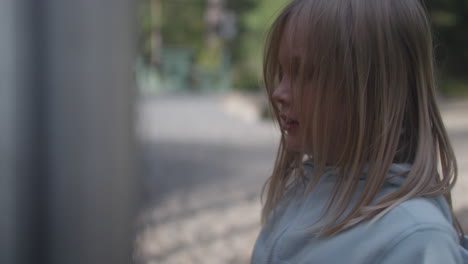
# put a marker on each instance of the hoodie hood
(396, 174)
(395, 177)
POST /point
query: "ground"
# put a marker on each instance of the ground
(205, 160)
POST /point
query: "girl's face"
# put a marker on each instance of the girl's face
(284, 96)
(288, 118)
(292, 100)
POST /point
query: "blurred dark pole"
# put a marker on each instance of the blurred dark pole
(68, 182)
(156, 35)
(20, 198)
(213, 18)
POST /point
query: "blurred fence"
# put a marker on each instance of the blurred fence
(178, 72)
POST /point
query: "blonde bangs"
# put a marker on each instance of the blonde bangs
(365, 91)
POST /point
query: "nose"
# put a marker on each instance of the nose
(282, 94)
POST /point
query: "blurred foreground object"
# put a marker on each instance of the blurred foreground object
(68, 182)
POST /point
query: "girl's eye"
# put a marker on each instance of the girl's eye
(295, 69)
(295, 65)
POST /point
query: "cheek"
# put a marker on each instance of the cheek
(304, 107)
(292, 143)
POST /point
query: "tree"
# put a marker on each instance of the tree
(450, 20)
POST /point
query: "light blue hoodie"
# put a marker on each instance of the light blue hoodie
(416, 231)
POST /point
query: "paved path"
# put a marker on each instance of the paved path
(204, 170)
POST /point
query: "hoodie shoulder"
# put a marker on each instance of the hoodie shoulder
(425, 233)
(425, 244)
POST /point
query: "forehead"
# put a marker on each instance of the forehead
(291, 42)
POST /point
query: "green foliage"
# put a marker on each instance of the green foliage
(182, 24)
(452, 87)
(210, 59)
(241, 6)
(248, 48)
(450, 20)
(145, 27)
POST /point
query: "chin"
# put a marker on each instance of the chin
(292, 146)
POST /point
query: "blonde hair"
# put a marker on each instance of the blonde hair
(370, 62)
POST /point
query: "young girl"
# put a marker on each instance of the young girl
(364, 169)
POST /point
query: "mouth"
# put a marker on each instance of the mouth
(288, 124)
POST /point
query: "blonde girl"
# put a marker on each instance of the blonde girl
(364, 169)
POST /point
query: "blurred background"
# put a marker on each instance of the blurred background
(208, 146)
(136, 131)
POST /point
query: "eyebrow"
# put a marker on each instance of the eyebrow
(296, 59)
(294, 62)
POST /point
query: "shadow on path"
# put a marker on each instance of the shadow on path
(463, 218)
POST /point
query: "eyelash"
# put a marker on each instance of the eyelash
(295, 70)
